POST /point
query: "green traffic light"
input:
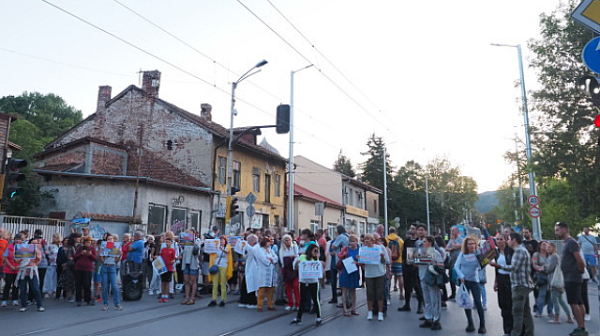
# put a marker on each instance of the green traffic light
(13, 194)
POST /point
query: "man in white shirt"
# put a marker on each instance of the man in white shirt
(589, 247)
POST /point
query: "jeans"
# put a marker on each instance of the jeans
(523, 322)
(543, 299)
(411, 280)
(432, 297)
(83, 286)
(558, 300)
(109, 281)
(475, 290)
(334, 278)
(34, 288)
(483, 294)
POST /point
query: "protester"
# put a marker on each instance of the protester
(411, 273)
(521, 285)
(191, 264)
(224, 262)
(51, 279)
(249, 284)
(109, 276)
(124, 252)
(66, 258)
(556, 287)
(42, 266)
(467, 269)
(287, 254)
(502, 283)
(453, 247)
(85, 256)
(147, 260)
(431, 291)
(349, 281)
(309, 288)
(375, 276)
(589, 246)
(573, 267)
(135, 252)
(267, 279)
(539, 261)
(155, 283)
(11, 269)
(28, 277)
(396, 244)
(168, 255)
(336, 246)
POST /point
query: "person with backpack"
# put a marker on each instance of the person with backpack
(396, 244)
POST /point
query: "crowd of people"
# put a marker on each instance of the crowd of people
(264, 271)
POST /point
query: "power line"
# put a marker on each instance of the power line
(318, 68)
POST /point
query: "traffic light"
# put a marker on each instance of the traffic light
(590, 85)
(231, 207)
(283, 119)
(13, 177)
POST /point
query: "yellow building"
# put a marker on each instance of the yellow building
(257, 169)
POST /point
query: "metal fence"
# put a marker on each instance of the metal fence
(48, 226)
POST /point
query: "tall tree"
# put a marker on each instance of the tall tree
(40, 119)
(565, 142)
(407, 194)
(372, 169)
(343, 165)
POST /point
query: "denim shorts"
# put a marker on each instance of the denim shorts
(590, 260)
(188, 270)
(97, 277)
(397, 269)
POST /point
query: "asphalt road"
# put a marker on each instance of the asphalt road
(147, 317)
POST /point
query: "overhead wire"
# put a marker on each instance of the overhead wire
(178, 68)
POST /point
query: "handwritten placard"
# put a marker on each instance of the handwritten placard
(240, 247)
(212, 245)
(370, 255)
(25, 251)
(159, 265)
(186, 239)
(310, 271)
(110, 249)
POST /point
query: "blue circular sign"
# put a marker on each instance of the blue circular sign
(591, 55)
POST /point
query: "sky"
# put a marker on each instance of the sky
(420, 74)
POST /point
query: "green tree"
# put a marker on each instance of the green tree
(344, 166)
(407, 194)
(565, 143)
(372, 169)
(40, 119)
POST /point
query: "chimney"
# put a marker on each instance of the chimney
(151, 83)
(104, 95)
(205, 111)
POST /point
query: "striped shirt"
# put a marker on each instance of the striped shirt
(520, 268)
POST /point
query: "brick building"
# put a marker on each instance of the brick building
(137, 159)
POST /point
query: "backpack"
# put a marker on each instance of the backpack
(395, 247)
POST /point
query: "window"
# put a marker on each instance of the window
(222, 169)
(256, 179)
(195, 220)
(156, 218)
(267, 188)
(359, 199)
(277, 185)
(375, 206)
(351, 194)
(314, 225)
(237, 174)
(178, 220)
(331, 229)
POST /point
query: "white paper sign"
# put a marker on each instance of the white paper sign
(370, 255)
(212, 245)
(310, 271)
(159, 265)
(240, 246)
(350, 265)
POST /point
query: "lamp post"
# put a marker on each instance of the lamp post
(385, 210)
(233, 113)
(537, 232)
(427, 204)
(291, 155)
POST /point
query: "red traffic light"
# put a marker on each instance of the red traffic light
(597, 121)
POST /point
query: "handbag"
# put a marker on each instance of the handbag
(558, 280)
(214, 269)
(463, 298)
(339, 265)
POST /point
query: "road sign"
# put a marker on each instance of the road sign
(250, 198)
(535, 212)
(591, 54)
(533, 200)
(250, 211)
(588, 14)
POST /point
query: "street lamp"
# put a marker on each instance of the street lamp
(233, 113)
(291, 155)
(537, 232)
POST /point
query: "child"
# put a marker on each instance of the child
(309, 288)
(168, 255)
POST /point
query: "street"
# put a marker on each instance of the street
(147, 317)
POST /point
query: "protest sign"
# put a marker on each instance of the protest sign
(420, 255)
(25, 251)
(212, 245)
(234, 240)
(310, 271)
(159, 265)
(487, 252)
(350, 265)
(186, 239)
(110, 249)
(370, 255)
(240, 246)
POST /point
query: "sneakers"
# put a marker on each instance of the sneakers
(23, 309)
(579, 332)
(41, 309)
(436, 325)
(105, 307)
(420, 310)
(380, 316)
(212, 303)
(118, 307)
(444, 305)
(288, 308)
(484, 307)
(587, 317)
(318, 322)
(222, 304)
(370, 315)
(426, 324)
(151, 292)
(3, 304)
(15, 303)
(296, 321)
(243, 305)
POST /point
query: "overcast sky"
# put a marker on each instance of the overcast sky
(420, 74)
